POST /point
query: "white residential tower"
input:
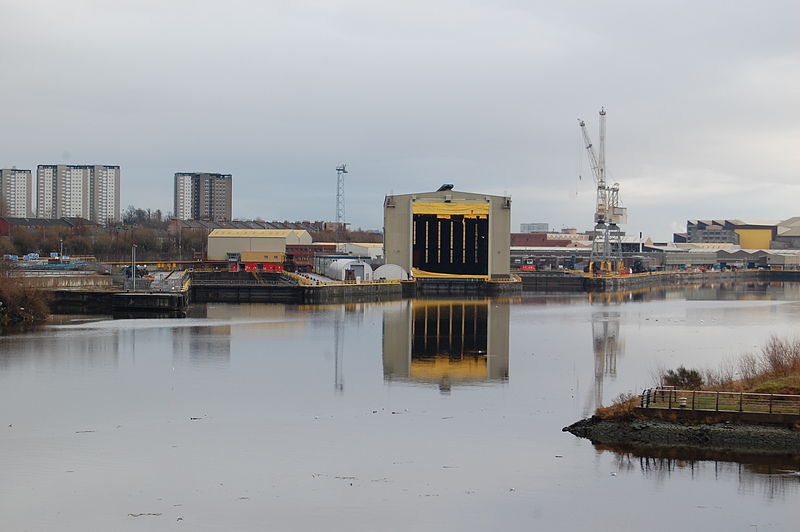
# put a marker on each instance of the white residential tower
(16, 189)
(84, 191)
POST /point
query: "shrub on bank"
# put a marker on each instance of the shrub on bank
(775, 369)
(19, 303)
(682, 378)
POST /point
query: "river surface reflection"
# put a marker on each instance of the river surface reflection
(408, 415)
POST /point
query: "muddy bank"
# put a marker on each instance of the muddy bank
(758, 439)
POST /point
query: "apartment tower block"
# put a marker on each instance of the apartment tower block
(203, 196)
(16, 191)
(86, 191)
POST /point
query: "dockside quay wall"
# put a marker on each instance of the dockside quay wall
(577, 282)
(117, 303)
(348, 293)
(311, 294)
(210, 293)
(467, 286)
(81, 301)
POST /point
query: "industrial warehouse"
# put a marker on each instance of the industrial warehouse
(440, 242)
(447, 232)
(447, 235)
(443, 242)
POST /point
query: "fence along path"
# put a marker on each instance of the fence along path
(667, 397)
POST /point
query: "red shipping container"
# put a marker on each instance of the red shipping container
(233, 267)
(528, 268)
(250, 267)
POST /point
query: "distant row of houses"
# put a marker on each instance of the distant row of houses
(8, 224)
(177, 224)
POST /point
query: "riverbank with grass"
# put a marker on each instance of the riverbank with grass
(749, 404)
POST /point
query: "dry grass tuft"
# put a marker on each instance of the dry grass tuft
(775, 368)
(620, 408)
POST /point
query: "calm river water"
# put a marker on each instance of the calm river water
(411, 415)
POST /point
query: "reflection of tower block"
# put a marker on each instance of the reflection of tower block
(446, 342)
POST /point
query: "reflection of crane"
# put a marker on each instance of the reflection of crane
(607, 238)
(606, 345)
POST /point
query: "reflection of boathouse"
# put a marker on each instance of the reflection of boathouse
(446, 342)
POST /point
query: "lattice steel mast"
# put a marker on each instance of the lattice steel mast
(340, 171)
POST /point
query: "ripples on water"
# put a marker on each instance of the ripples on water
(406, 415)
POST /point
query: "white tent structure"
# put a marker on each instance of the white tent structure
(349, 270)
(390, 272)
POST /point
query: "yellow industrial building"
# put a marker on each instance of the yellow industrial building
(745, 234)
(254, 245)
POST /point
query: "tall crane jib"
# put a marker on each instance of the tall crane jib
(606, 254)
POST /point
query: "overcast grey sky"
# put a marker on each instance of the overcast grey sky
(703, 102)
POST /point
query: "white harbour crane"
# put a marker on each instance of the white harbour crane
(609, 214)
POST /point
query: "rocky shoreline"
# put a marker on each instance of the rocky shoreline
(756, 439)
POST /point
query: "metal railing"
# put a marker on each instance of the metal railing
(51, 273)
(303, 281)
(376, 281)
(354, 283)
(512, 278)
(235, 282)
(186, 280)
(667, 397)
(314, 282)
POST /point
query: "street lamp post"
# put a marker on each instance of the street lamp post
(61, 249)
(133, 266)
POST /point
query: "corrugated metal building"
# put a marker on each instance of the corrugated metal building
(448, 232)
(788, 236)
(746, 234)
(225, 244)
